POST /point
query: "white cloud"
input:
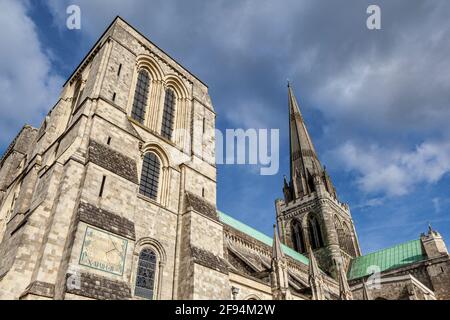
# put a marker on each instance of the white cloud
(395, 172)
(370, 203)
(436, 204)
(28, 88)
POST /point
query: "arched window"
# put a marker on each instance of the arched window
(168, 114)
(145, 275)
(150, 176)
(349, 248)
(76, 94)
(340, 232)
(141, 96)
(298, 239)
(315, 234)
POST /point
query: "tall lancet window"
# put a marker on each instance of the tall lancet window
(150, 176)
(315, 234)
(168, 115)
(299, 241)
(145, 276)
(141, 96)
(76, 94)
(349, 241)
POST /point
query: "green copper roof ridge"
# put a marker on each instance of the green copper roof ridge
(260, 236)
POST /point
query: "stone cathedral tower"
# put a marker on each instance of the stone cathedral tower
(114, 197)
(311, 214)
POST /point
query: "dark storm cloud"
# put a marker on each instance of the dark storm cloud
(245, 50)
(382, 90)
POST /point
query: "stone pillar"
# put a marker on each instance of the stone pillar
(203, 272)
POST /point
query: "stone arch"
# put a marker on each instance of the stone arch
(176, 83)
(339, 231)
(147, 62)
(252, 297)
(159, 150)
(154, 246)
(298, 236)
(315, 231)
(348, 239)
(165, 170)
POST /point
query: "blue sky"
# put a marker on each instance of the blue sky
(377, 103)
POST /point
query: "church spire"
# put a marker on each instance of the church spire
(304, 164)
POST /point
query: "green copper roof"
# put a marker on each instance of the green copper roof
(260, 236)
(394, 257)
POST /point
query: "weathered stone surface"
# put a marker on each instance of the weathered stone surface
(106, 220)
(113, 161)
(209, 260)
(200, 205)
(100, 288)
(42, 289)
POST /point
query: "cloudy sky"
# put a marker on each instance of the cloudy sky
(377, 103)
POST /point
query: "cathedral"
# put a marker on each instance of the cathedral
(113, 197)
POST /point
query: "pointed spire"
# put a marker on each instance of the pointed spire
(344, 290)
(287, 191)
(304, 161)
(314, 271)
(365, 294)
(279, 272)
(277, 252)
(315, 277)
(430, 228)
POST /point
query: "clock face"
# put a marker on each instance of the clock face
(103, 251)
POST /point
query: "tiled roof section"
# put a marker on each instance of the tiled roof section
(96, 287)
(200, 205)
(386, 259)
(111, 160)
(260, 236)
(209, 260)
(106, 220)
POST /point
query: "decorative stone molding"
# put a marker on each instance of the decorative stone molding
(106, 220)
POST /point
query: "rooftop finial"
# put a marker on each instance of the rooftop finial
(289, 83)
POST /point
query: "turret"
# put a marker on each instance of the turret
(279, 272)
(315, 278)
(344, 290)
(433, 244)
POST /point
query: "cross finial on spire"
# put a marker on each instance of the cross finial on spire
(430, 228)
